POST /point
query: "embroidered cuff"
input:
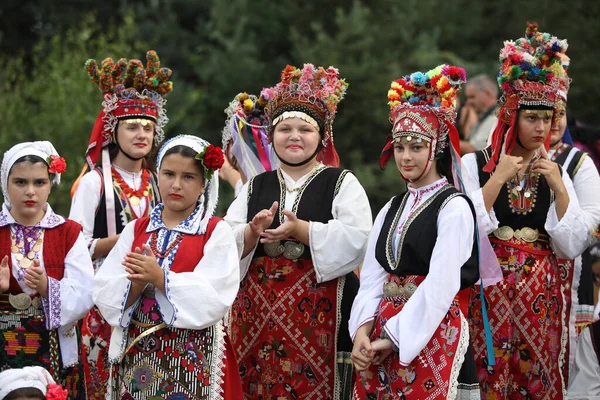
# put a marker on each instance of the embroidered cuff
(167, 309)
(385, 335)
(52, 305)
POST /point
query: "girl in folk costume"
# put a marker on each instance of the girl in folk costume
(246, 140)
(45, 269)
(30, 383)
(302, 230)
(586, 181)
(167, 284)
(409, 319)
(121, 189)
(529, 208)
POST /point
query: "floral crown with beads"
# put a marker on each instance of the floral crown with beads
(131, 92)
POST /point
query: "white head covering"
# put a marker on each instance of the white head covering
(211, 188)
(42, 149)
(26, 377)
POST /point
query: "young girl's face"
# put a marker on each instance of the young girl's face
(180, 182)
(559, 124)
(533, 128)
(28, 188)
(295, 140)
(411, 158)
(135, 139)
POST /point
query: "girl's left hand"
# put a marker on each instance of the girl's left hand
(382, 348)
(288, 229)
(550, 171)
(36, 279)
(143, 267)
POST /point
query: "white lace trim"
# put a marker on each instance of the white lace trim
(459, 358)
(217, 373)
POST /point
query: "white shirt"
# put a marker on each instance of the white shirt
(69, 299)
(192, 300)
(347, 232)
(413, 327)
(568, 240)
(87, 198)
(584, 383)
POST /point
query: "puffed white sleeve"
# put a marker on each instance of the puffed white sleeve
(423, 313)
(584, 382)
(199, 299)
(69, 299)
(237, 218)
(587, 186)
(567, 237)
(487, 220)
(111, 286)
(347, 233)
(84, 205)
(372, 278)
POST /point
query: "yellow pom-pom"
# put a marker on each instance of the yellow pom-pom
(248, 106)
(393, 95)
(396, 85)
(242, 96)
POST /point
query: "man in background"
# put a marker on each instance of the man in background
(482, 94)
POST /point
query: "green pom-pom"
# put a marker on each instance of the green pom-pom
(515, 72)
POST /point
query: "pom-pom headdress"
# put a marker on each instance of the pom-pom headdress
(246, 136)
(131, 91)
(311, 94)
(532, 72)
(422, 108)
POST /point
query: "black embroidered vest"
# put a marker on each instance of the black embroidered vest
(315, 205)
(575, 162)
(506, 217)
(100, 225)
(420, 237)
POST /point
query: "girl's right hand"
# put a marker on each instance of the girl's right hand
(262, 220)
(508, 167)
(4, 275)
(362, 353)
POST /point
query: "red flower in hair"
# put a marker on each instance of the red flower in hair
(56, 392)
(213, 157)
(57, 165)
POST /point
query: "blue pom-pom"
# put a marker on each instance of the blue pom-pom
(556, 47)
(418, 78)
(525, 66)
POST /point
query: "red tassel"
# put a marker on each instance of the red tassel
(386, 152)
(328, 155)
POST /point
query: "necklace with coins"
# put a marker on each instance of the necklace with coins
(26, 243)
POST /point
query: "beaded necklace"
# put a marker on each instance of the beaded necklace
(26, 243)
(132, 195)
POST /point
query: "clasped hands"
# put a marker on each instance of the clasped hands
(143, 268)
(35, 277)
(366, 352)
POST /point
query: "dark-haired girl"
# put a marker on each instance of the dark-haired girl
(45, 269)
(120, 186)
(167, 284)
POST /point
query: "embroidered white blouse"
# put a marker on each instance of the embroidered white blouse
(87, 198)
(192, 300)
(347, 232)
(414, 326)
(585, 376)
(567, 238)
(69, 299)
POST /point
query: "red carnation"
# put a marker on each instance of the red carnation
(57, 165)
(56, 392)
(213, 157)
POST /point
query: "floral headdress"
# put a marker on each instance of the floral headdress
(246, 133)
(532, 72)
(311, 94)
(422, 107)
(131, 91)
(212, 159)
(43, 149)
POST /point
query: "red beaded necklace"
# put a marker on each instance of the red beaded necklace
(162, 254)
(133, 195)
